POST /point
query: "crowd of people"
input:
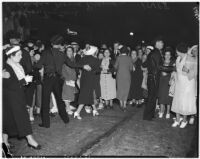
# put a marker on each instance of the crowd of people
(65, 79)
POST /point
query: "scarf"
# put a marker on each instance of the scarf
(17, 68)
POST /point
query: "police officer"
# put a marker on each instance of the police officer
(52, 60)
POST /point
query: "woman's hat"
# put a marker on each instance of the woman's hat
(12, 50)
(74, 43)
(91, 51)
(190, 50)
(150, 47)
(30, 44)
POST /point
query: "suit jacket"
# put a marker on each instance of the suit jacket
(77, 58)
(154, 61)
(114, 55)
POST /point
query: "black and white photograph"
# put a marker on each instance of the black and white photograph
(100, 79)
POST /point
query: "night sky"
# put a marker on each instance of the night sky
(175, 22)
(113, 21)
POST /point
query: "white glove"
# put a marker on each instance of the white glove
(28, 78)
(87, 67)
(5, 74)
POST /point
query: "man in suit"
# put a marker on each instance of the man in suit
(116, 50)
(154, 61)
(77, 56)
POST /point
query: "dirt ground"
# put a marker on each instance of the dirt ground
(112, 133)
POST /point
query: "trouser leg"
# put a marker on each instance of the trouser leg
(151, 103)
(46, 92)
(60, 103)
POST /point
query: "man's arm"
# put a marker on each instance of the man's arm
(167, 69)
(73, 64)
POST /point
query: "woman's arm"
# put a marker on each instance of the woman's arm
(192, 74)
(116, 66)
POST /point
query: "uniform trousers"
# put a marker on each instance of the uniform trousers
(52, 84)
(149, 110)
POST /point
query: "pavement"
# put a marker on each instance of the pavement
(112, 133)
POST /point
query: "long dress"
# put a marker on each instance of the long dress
(124, 66)
(184, 101)
(107, 82)
(163, 90)
(15, 116)
(97, 87)
(27, 64)
(136, 81)
(87, 82)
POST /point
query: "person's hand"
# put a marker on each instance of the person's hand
(133, 68)
(87, 67)
(5, 74)
(164, 73)
(28, 78)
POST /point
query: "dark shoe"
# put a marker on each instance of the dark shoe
(133, 105)
(6, 151)
(111, 107)
(38, 147)
(44, 126)
(121, 108)
(139, 105)
(124, 110)
(67, 121)
(37, 115)
(52, 114)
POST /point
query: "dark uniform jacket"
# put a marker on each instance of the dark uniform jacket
(53, 60)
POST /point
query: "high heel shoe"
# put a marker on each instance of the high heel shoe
(95, 113)
(6, 151)
(77, 115)
(32, 119)
(38, 147)
(183, 124)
